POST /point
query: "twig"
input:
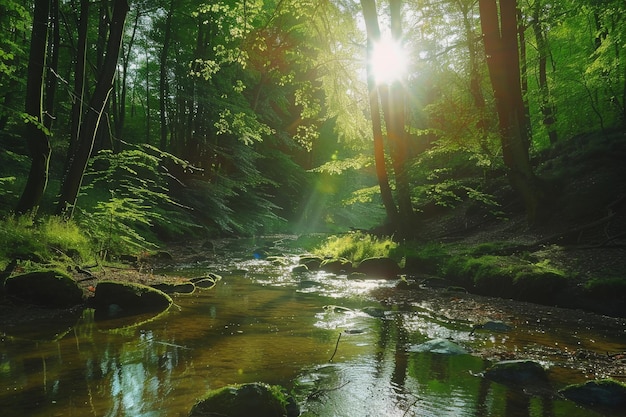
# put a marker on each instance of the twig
(336, 347)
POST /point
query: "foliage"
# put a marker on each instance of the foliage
(47, 239)
(356, 246)
(137, 203)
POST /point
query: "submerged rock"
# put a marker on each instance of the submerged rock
(605, 393)
(492, 326)
(517, 372)
(45, 288)
(206, 282)
(176, 288)
(255, 399)
(442, 346)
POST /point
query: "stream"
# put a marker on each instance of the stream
(336, 348)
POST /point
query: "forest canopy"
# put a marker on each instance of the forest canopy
(146, 120)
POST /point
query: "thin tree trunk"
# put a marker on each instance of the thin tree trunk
(35, 132)
(53, 64)
(546, 106)
(123, 86)
(147, 94)
(163, 84)
(97, 104)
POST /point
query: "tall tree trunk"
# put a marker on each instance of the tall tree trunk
(499, 27)
(163, 84)
(97, 104)
(35, 132)
(546, 106)
(373, 35)
(396, 130)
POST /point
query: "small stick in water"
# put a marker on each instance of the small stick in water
(336, 347)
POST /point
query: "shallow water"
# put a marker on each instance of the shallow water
(263, 323)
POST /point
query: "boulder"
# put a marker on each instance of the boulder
(125, 299)
(336, 266)
(380, 267)
(604, 393)
(45, 288)
(313, 263)
(441, 346)
(517, 372)
(255, 399)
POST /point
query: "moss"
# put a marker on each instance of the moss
(254, 399)
(604, 393)
(130, 297)
(50, 288)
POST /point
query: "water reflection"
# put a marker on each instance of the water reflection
(262, 323)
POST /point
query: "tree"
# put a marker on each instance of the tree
(89, 129)
(499, 26)
(393, 101)
(373, 35)
(36, 133)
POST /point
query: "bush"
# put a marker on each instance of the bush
(356, 246)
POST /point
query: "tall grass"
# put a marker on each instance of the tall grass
(48, 239)
(356, 246)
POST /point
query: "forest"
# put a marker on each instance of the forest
(200, 194)
(140, 122)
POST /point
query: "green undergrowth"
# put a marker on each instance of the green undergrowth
(357, 246)
(47, 240)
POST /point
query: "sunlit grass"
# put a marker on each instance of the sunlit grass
(356, 246)
(48, 240)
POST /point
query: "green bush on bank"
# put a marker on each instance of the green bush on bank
(357, 246)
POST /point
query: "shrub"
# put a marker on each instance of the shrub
(356, 246)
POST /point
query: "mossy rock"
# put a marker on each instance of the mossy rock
(538, 286)
(255, 399)
(313, 263)
(125, 298)
(336, 266)
(379, 267)
(45, 288)
(517, 372)
(604, 393)
(299, 269)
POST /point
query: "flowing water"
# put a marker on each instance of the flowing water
(336, 349)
